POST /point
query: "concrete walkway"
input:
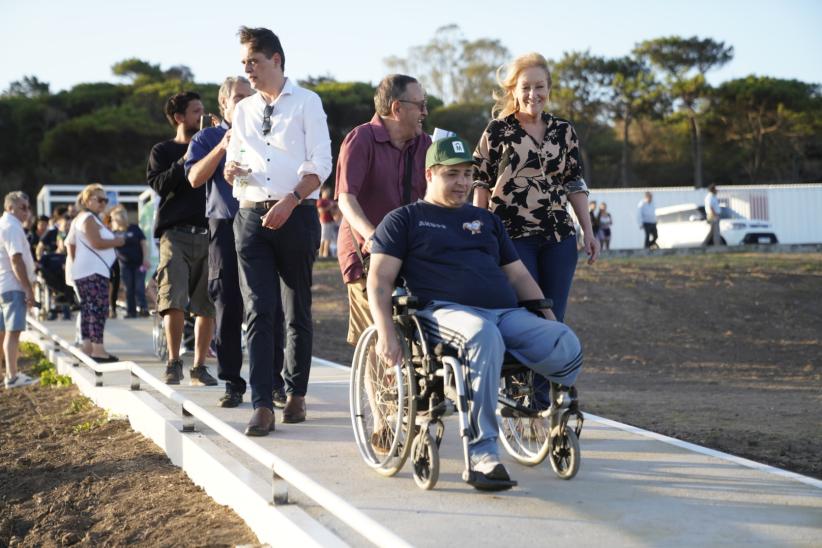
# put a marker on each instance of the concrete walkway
(632, 488)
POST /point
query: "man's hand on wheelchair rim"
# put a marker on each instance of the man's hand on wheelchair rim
(548, 314)
(389, 349)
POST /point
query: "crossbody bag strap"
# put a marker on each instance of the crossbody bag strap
(406, 181)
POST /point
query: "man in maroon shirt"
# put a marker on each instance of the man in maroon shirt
(380, 168)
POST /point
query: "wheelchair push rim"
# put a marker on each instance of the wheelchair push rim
(395, 397)
(525, 436)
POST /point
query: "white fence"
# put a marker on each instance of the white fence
(794, 210)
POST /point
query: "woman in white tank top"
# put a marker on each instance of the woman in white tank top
(94, 254)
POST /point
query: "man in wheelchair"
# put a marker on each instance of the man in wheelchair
(458, 261)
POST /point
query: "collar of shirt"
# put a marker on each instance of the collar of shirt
(10, 219)
(298, 143)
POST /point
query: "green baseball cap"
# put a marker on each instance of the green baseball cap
(447, 152)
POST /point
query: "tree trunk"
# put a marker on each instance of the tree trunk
(696, 144)
(586, 165)
(626, 153)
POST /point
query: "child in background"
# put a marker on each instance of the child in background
(325, 208)
(133, 260)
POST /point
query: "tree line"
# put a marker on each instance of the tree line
(646, 119)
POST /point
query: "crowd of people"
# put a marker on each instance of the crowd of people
(242, 216)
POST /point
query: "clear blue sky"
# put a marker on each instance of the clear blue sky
(65, 43)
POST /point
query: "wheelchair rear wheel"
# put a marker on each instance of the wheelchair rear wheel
(383, 405)
(564, 455)
(523, 432)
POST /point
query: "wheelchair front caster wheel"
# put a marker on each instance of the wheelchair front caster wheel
(564, 454)
(426, 461)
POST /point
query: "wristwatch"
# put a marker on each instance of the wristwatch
(297, 196)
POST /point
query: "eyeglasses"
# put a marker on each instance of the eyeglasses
(269, 110)
(422, 105)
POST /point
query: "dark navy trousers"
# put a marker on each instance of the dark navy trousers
(224, 290)
(275, 279)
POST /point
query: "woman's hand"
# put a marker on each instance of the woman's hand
(591, 247)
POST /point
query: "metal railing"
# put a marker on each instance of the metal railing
(282, 473)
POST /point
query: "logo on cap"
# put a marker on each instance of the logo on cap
(458, 148)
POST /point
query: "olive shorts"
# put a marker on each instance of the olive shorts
(182, 275)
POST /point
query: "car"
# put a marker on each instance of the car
(685, 225)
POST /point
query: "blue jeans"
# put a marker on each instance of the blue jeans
(135, 281)
(552, 264)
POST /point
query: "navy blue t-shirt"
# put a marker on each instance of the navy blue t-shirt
(131, 253)
(450, 254)
(220, 203)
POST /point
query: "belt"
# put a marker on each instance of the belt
(268, 204)
(190, 229)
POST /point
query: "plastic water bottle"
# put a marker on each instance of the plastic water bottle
(240, 181)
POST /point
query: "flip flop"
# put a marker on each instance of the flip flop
(111, 358)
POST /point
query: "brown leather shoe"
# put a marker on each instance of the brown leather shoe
(294, 410)
(261, 423)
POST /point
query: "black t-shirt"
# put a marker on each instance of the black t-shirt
(49, 240)
(450, 254)
(131, 252)
(180, 204)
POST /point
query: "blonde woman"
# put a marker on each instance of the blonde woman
(527, 169)
(93, 245)
(132, 257)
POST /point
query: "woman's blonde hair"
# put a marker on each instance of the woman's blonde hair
(88, 192)
(506, 103)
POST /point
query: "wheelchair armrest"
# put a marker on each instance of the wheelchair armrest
(536, 304)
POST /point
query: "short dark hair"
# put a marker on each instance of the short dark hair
(389, 90)
(44, 218)
(177, 104)
(262, 41)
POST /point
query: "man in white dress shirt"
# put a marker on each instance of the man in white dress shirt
(278, 156)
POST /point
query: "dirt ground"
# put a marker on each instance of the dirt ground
(69, 475)
(720, 350)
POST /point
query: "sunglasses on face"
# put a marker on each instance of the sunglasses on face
(101, 199)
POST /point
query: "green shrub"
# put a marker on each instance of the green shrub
(78, 405)
(42, 365)
(31, 350)
(50, 377)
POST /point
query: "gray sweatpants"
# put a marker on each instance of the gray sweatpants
(483, 336)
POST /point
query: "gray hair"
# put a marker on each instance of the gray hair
(14, 197)
(226, 89)
(389, 90)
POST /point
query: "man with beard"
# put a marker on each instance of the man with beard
(182, 274)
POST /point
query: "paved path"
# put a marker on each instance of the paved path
(632, 489)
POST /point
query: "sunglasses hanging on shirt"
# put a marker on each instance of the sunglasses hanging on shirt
(269, 110)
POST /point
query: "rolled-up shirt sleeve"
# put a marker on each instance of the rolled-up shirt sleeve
(485, 169)
(572, 178)
(317, 141)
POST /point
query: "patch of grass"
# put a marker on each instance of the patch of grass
(88, 426)
(50, 377)
(31, 350)
(78, 405)
(41, 366)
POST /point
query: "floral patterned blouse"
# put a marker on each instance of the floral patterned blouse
(530, 182)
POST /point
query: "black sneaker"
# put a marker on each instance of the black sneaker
(231, 398)
(201, 377)
(279, 397)
(174, 371)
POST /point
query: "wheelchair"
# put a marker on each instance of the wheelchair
(394, 408)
